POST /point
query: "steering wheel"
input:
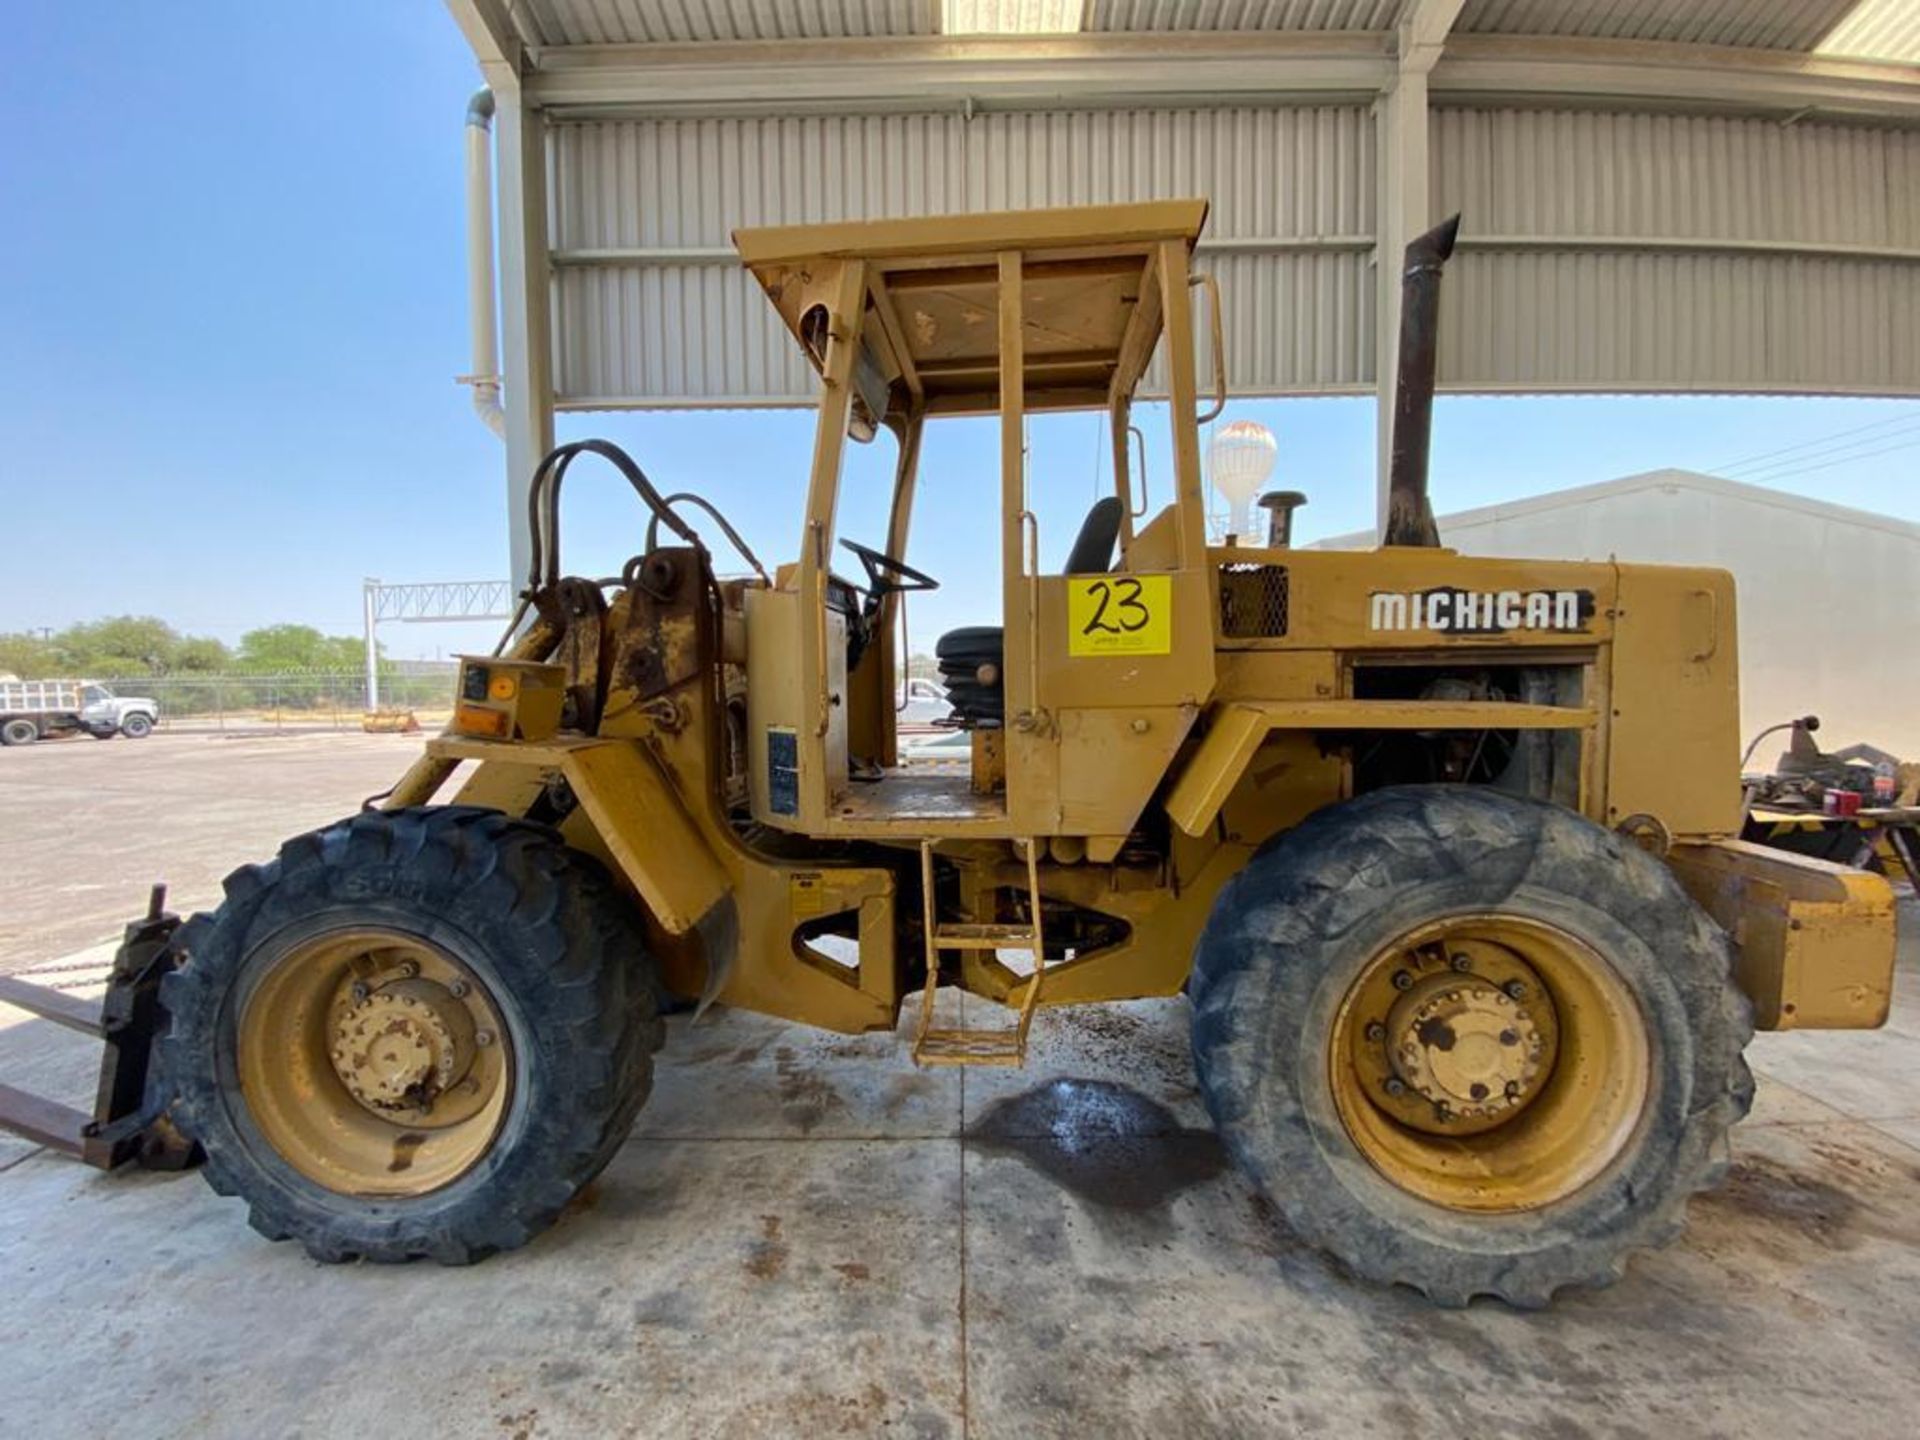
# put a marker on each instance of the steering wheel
(887, 576)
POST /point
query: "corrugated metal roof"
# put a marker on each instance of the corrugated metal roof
(1878, 30)
(1756, 24)
(1196, 15)
(1885, 30)
(654, 22)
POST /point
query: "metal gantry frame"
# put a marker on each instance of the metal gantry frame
(430, 603)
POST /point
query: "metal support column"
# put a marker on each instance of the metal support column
(520, 164)
(369, 606)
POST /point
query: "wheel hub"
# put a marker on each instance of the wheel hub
(1466, 1047)
(1489, 1062)
(402, 1046)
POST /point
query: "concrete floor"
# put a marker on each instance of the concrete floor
(808, 1236)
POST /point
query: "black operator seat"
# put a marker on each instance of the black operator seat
(971, 657)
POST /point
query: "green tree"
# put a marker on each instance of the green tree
(298, 647)
(30, 657)
(201, 654)
(118, 645)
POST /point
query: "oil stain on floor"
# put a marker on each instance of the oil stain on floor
(1107, 1144)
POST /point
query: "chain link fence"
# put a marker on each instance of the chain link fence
(293, 700)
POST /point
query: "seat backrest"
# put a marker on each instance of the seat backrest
(1093, 547)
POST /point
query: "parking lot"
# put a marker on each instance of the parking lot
(808, 1235)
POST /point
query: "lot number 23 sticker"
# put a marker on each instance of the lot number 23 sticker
(1120, 615)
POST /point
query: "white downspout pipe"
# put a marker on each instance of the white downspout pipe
(481, 306)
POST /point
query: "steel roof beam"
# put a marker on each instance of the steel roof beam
(1484, 67)
(851, 76)
(856, 75)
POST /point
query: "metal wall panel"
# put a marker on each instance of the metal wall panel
(652, 309)
(1759, 24)
(1670, 252)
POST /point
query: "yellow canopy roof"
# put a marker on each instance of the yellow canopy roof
(1090, 309)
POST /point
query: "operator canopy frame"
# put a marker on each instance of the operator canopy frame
(929, 333)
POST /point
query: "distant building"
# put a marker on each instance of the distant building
(1829, 597)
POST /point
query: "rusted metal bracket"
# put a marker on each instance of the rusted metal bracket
(127, 1122)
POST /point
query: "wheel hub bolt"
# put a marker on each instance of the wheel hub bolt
(1395, 1086)
(1376, 1032)
(1461, 962)
(1402, 980)
(1515, 989)
(360, 991)
(483, 1038)
(1513, 1089)
(458, 989)
(1443, 1112)
(409, 968)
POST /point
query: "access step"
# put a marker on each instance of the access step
(971, 1047)
(984, 937)
(978, 1047)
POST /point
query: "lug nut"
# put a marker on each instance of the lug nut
(1376, 1032)
(483, 1038)
(360, 991)
(1402, 980)
(1515, 990)
(1513, 1089)
(458, 989)
(1462, 962)
(409, 969)
(1394, 1086)
(1442, 1112)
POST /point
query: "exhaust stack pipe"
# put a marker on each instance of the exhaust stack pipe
(1409, 515)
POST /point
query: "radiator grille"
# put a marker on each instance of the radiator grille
(1253, 601)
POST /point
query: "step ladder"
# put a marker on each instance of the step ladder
(1002, 1046)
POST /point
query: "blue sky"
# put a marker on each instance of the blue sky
(232, 306)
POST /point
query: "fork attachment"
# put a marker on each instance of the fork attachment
(127, 1123)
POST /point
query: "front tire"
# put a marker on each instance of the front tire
(136, 726)
(413, 1034)
(1469, 1043)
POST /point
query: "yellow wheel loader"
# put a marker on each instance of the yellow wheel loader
(1442, 849)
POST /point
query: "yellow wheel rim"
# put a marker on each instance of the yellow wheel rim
(1490, 1063)
(374, 1062)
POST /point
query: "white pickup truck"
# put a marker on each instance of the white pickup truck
(31, 709)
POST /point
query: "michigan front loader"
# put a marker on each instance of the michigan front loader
(1441, 849)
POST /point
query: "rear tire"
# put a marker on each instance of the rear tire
(19, 732)
(531, 931)
(1517, 1198)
